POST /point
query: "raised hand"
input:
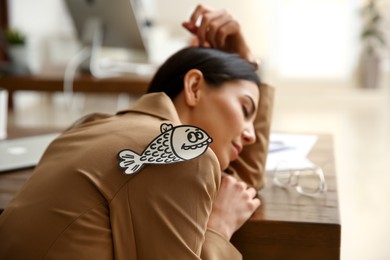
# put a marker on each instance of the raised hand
(218, 29)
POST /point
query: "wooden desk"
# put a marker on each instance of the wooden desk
(286, 226)
(53, 81)
(292, 226)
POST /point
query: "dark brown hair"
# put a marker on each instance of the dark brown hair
(216, 66)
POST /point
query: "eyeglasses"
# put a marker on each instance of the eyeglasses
(308, 182)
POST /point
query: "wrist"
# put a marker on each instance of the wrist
(218, 226)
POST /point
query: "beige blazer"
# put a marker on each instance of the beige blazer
(80, 205)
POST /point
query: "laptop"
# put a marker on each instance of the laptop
(23, 152)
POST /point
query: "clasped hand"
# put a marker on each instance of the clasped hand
(234, 204)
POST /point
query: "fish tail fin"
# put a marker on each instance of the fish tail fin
(130, 161)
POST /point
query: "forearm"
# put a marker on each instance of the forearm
(250, 166)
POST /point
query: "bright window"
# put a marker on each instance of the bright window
(315, 39)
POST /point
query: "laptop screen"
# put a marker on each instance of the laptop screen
(23, 152)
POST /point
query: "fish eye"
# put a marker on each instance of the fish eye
(199, 135)
(192, 137)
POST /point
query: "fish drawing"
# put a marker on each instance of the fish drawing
(174, 144)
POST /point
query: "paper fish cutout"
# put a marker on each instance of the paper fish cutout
(174, 144)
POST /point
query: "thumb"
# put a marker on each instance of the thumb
(190, 27)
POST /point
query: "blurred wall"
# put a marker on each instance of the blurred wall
(290, 36)
(45, 21)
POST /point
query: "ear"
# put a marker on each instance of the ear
(193, 83)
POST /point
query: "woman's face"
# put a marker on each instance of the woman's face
(227, 113)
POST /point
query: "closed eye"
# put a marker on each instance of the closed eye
(249, 108)
(245, 110)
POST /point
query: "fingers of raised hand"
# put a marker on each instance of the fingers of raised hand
(213, 27)
(218, 29)
(197, 14)
(210, 25)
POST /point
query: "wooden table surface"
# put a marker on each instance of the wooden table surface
(286, 226)
(83, 82)
(292, 226)
(52, 80)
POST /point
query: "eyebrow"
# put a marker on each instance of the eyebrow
(253, 104)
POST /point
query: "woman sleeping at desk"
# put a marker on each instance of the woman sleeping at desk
(172, 177)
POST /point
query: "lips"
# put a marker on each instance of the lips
(237, 150)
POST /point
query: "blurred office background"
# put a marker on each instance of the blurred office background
(310, 52)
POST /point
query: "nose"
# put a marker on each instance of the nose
(248, 135)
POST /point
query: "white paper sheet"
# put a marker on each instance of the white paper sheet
(289, 151)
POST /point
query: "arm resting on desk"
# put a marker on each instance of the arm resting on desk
(250, 166)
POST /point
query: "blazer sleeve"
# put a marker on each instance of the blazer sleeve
(217, 247)
(250, 166)
(165, 211)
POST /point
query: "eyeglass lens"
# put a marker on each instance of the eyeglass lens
(307, 181)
